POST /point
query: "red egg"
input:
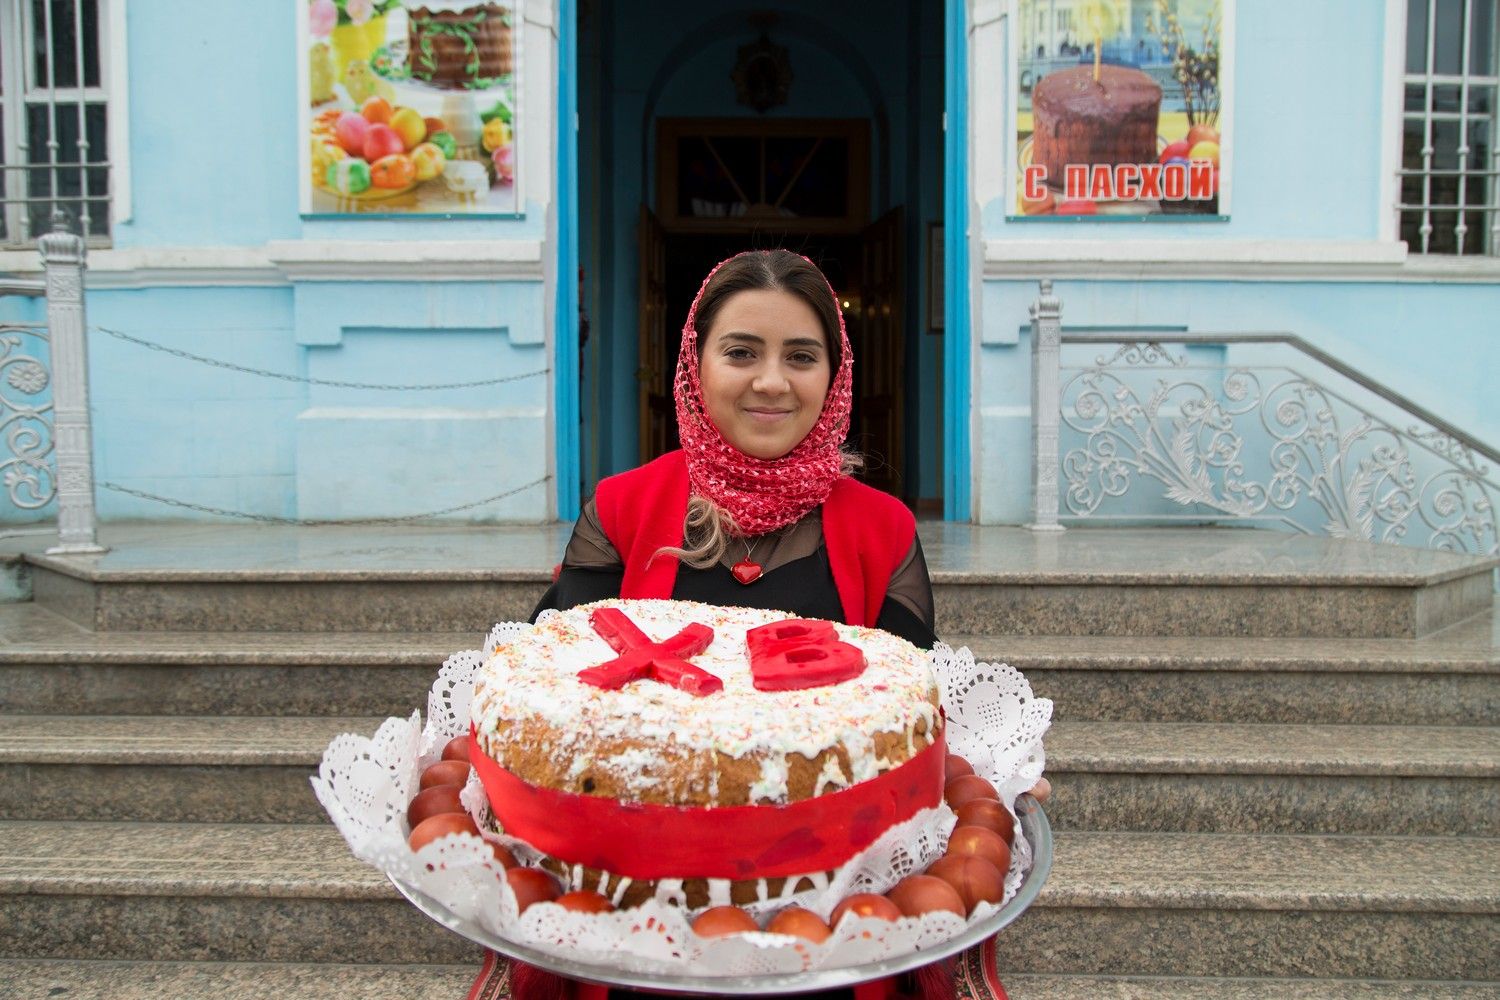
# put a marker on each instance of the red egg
(988, 813)
(446, 772)
(585, 901)
(531, 885)
(800, 922)
(433, 827)
(382, 141)
(1178, 149)
(721, 921)
(981, 842)
(457, 748)
(865, 904)
(965, 787)
(955, 766)
(351, 130)
(919, 894)
(433, 801)
(975, 878)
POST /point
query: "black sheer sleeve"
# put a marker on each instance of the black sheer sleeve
(897, 618)
(591, 568)
(911, 588)
(575, 586)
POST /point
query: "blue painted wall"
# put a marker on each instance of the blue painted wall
(213, 156)
(214, 144)
(1306, 139)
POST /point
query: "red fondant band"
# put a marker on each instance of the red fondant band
(735, 842)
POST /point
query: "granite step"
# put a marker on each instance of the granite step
(28, 979)
(1265, 778)
(1263, 905)
(1117, 904)
(1040, 987)
(50, 665)
(166, 769)
(987, 580)
(206, 892)
(1451, 677)
(1109, 776)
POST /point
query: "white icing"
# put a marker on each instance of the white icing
(832, 776)
(536, 676)
(669, 892)
(771, 786)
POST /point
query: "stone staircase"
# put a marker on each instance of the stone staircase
(1276, 758)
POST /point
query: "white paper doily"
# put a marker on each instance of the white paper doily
(366, 783)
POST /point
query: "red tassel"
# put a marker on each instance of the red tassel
(527, 982)
(935, 981)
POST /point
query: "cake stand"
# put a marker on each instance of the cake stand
(1034, 827)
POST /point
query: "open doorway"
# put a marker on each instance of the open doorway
(678, 172)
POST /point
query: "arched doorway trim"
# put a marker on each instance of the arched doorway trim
(793, 23)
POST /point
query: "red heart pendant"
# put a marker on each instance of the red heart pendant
(746, 571)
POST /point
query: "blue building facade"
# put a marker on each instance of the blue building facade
(551, 312)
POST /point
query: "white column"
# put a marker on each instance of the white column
(1046, 407)
(63, 254)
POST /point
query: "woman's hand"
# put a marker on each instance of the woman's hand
(1041, 791)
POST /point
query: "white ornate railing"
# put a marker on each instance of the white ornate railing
(49, 440)
(1141, 432)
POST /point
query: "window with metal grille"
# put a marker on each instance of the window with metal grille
(1450, 176)
(53, 132)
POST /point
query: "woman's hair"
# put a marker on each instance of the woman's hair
(770, 270)
(707, 529)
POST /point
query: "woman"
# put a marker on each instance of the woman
(757, 509)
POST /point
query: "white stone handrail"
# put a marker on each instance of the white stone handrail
(1248, 440)
(64, 256)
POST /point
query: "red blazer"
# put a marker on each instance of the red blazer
(868, 533)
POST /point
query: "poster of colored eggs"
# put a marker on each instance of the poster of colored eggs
(410, 107)
(1121, 108)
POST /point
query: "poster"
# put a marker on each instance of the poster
(1121, 108)
(410, 107)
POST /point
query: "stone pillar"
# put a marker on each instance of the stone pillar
(63, 255)
(1046, 407)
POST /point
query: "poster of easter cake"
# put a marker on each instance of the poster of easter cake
(410, 107)
(1121, 108)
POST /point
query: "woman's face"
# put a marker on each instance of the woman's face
(765, 371)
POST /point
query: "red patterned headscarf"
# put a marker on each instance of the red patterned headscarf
(761, 495)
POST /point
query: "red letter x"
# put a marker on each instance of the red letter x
(642, 659)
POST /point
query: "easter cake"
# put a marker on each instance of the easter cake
(1078, 119)
(704, 754)
(458, 45)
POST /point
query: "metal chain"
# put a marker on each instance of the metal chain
(270, 519)
(175, 352)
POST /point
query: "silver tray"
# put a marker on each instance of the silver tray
(1034, 826)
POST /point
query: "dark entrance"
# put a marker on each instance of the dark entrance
(679, 172)
(728, 185)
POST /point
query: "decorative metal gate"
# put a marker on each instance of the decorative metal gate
(1254, 441)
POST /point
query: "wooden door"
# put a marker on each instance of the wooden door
(657, 414)
(879, 341)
